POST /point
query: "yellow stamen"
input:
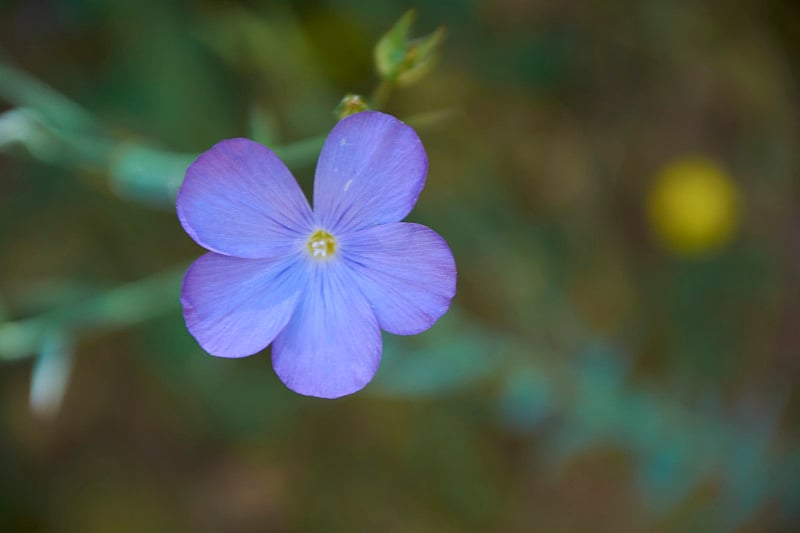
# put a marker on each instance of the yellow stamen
(321, 244)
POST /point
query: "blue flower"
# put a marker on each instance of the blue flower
(319, 284)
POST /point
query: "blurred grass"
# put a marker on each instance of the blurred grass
(587, 377)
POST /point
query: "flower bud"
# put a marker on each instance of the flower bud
(350, 105)
(403, 61)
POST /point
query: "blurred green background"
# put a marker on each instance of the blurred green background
(618, 182)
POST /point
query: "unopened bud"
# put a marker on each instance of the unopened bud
(403, 61)
(350, 105)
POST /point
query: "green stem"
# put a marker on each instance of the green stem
(23, 90)
(380, 97)
(300, 152)
(115, 309)
(429, 119)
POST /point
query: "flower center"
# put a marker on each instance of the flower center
(321, 244)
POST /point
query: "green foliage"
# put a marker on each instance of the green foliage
(583, 379)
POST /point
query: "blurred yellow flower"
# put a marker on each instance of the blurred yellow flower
(693, 206)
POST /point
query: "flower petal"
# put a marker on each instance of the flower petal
(332, 345)
(239, 199)
(235, 307)
(371, 171)
(406, 271)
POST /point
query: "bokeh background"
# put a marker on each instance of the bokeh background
(618, 182)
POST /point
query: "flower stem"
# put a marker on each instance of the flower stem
(23, 90)
(117, 308)
(380, 97)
